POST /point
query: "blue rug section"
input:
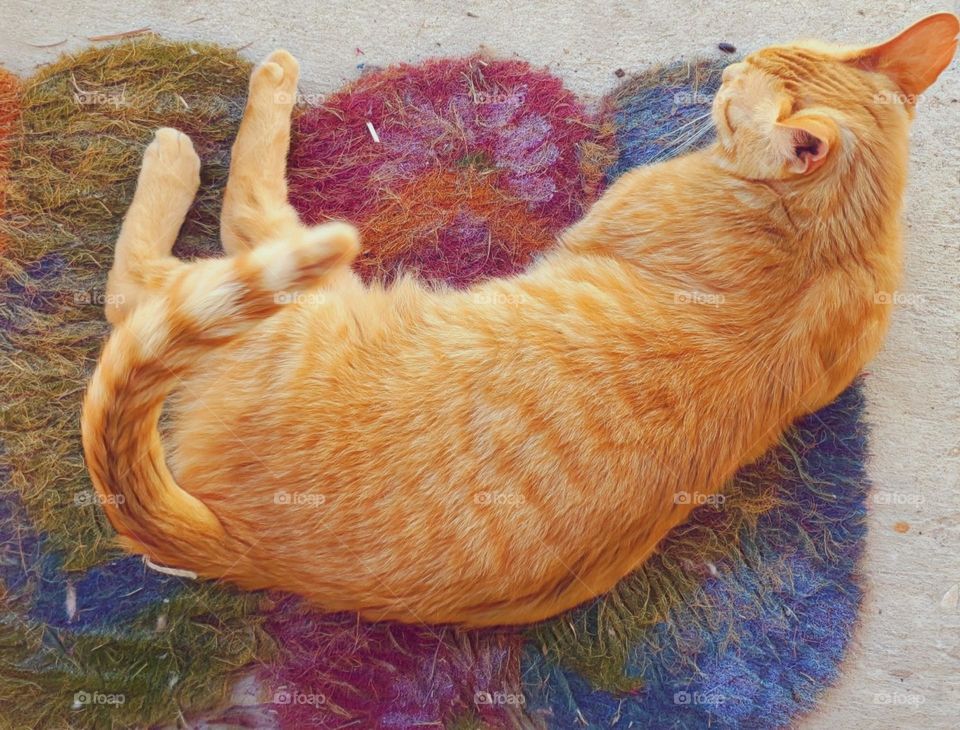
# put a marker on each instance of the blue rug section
(105, 598)
(655, 123)
(787, 603)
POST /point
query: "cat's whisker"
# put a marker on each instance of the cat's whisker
(696, 123)
(693, 121)
(683, 142)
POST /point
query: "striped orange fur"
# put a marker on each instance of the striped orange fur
(500, 454)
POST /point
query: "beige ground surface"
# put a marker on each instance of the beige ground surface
(904, 668)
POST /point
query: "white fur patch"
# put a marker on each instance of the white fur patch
(209, 307)
(169, 571)
(150, 330)
(278, 266)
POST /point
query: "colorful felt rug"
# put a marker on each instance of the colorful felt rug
(460, 170)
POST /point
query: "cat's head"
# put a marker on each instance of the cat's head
(797, 110)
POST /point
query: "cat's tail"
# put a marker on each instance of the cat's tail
(207, 304)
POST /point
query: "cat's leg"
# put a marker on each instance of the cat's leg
(168, 181)
(255, 206)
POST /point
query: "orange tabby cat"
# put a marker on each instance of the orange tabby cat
(500, 454)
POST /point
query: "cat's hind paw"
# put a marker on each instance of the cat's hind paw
(275, 81)
(171, 167)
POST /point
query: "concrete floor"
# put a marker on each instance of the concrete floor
(903, 670)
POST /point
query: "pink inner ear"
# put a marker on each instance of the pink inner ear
(809, 151)
(807, 146)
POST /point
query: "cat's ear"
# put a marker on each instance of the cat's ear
(915, 57)
(805, 141)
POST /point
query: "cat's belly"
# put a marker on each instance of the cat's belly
(455, 506)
